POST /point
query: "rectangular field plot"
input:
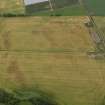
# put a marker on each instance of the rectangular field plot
(100, 22)
(42, 8)
(11, 7)
(73, 78)
(95, 7)
(63, 3)
(51, 53)
(45, 34)
(53, 6)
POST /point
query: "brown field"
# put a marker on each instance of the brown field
(51, 53)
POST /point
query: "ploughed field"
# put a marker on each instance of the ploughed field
(51, 53)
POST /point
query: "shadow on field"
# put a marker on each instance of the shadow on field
(26, 97)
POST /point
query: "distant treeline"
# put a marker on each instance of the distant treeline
(12, 15)
(24, 15)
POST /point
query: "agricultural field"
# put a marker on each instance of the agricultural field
(100, 24)
(97, 32)
(74, 10)
(100, 21)
(51, 53)
(12, 6)
(64, 7)
(95, 7)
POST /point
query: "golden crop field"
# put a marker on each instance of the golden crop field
(12, 6)
(51, 53)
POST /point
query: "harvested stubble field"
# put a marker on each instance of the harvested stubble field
(51, 53)
(12, 6)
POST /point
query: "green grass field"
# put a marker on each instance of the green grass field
(62, 8)
(100, 21)
(12, 6)
(18, 7)
(51, 53)
(95, 7)
(74, 10)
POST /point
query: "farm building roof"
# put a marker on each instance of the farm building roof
(29, 2)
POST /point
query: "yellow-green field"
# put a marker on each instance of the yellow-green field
(51, 53)
(11, 6)
(100, 21)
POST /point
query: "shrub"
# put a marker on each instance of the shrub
(7, 98)
(26, 97)
(12, 15)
